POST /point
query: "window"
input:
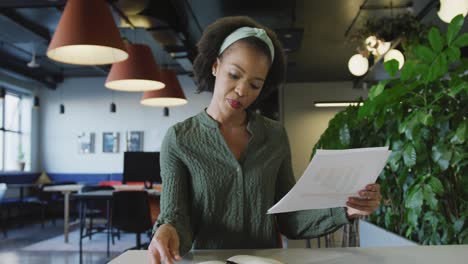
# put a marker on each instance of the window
(15, 132)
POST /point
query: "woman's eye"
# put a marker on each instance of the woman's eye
(233, 76)
(255, 86)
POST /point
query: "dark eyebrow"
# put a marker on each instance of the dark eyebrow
(240, 68)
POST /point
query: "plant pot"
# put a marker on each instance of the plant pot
(371, 235)
(21, 165)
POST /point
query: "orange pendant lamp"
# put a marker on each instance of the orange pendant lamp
(87, 35)
(137, 74)
(172, 95)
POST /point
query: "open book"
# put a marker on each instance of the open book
(244, 259)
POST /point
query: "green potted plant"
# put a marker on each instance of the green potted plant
(421, 114)
(20, 159)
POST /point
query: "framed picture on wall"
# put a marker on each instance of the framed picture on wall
(86, 143)
(110, 142)
(134, 140)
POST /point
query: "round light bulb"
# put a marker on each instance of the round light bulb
(382, 48)
(371, 42)
(395, 54)
(451, 8)
(358, 65)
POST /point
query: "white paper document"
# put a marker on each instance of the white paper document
(331, 177)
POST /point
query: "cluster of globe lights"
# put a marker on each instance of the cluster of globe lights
(358, 64)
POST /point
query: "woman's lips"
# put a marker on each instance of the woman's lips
(234, 103)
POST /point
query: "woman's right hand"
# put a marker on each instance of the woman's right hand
(164, 246)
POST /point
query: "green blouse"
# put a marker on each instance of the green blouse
(217, 202)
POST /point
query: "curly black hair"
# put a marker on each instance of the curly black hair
(211, 41)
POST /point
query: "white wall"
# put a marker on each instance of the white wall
(306, 123)
(87, 109)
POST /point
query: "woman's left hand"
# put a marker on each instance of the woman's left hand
(367, 202)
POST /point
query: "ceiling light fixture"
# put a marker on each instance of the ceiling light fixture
(337, 104)
(395, 54)
(137, 74)
(358, 65)
(33, 63)
(451, 8)
(172, 95)
(36, 102)
(87, 35)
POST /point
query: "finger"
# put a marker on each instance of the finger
(153, 255)
(164, 251)
(369, 195)
(174, 248)
(363, 202)
(374, 187)
(363, 209)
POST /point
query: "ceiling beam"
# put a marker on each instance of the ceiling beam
(34, 28)
(12, 64)
(31, 3)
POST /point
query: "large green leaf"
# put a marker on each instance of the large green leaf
(424, 53)
(409, 155)
(408, 71)
(413, 127)
(425, 118)
(453, 28)
(435, 39)
(436, 185)
(461, 134)
(461, 41)
(377, 89)
(415, 198)
(458, 225)
(441, 155)
(429, 197)
(391, 67)
(453, 54)
(394, 160)
(460, 87)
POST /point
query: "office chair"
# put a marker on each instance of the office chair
(95, 209)
(131, 213)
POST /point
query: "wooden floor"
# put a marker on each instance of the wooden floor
(19, 237)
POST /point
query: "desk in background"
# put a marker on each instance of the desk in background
(66, 190)
(105, 195)
(381, 255)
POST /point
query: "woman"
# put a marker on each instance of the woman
(225, 167)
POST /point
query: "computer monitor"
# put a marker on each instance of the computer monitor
(141, 167)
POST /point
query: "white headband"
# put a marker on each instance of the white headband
(245, 32)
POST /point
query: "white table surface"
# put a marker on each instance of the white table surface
(380, 255)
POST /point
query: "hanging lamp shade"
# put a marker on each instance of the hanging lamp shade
(137, 74)
(172, 95)
(87, 35)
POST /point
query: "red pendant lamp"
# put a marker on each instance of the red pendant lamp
(172, 95)
(137, 74)
(87, 35)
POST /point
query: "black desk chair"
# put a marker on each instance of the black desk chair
(131, 213)
(95, 209)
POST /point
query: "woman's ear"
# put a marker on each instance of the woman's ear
(214, 68)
